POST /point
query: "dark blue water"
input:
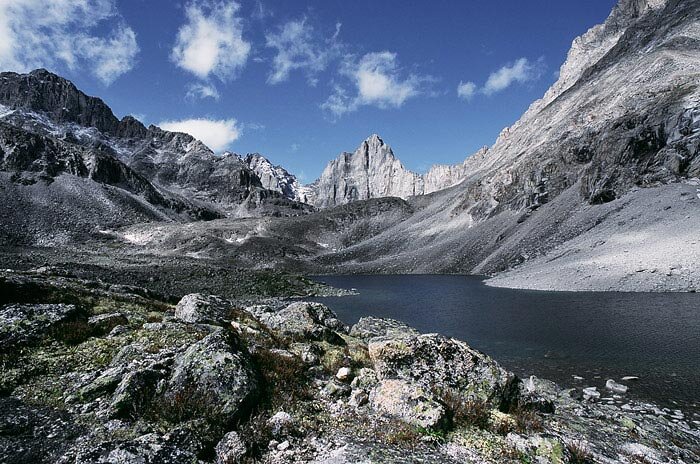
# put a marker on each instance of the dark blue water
(555, 335)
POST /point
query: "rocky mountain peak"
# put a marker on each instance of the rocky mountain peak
(57, 98)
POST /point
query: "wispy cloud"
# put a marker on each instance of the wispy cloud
(298, 47)
(216, 134)
(202, 91)
(77, 34)
(211, 41)
(520, 71)
(378, 81)
(466, 90)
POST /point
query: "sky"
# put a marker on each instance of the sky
(302, 81)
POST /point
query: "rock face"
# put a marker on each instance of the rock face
(373, 171)
(278, 179)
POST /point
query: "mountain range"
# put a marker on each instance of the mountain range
(595, 187)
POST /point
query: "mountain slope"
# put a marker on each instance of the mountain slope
(624, 117)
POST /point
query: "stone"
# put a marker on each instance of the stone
(197, 308)
(104, 323)
(370, 327)
(281, 424)
(438, 362)
(408, 402)
(22, 324)
(336, 389)
(309, 321)
(344, 374)
(358, 398)
(615, 387)
(214, 374)
(231, 449)
(283, 446)
(591, 393)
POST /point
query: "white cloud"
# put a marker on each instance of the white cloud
(297, 47)
(72, 33)
(520, 71)
(377, 81)
(216, 134)
(211, 42)
(466, 90)
(202, 91)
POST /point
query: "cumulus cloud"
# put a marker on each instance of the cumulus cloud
(211, 41)
(521, 71)
(202, 91)
(298, 48)
(216, 134)
(72, 33)
(377, 80)
(466, 90)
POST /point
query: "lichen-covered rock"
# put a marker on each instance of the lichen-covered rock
(21, 324)
(304, 320)
(408, 402)
(151, 448)
(135, 392)
(197, 308)
(230, 449)
(437, 363)
(104, 323)
(280, 424)
(214, 375)
(370, 327)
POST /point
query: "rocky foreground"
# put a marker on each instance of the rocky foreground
(98, 373)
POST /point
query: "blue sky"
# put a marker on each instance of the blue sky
(302, 81)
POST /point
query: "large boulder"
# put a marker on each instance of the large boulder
(231, 449)
(214, 377)
(204, 309)
(370, 327)
(409, 402)
(439, 363)
(22, 324)
(303, 320)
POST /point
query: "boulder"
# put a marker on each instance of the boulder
(214, 376)
(408, 402)
(22, 324)
(197, 308)
(368, 328)
(230, 449)
(344, 374)
(302, 320)
(436, 362)
(615, 387)
(104, 323)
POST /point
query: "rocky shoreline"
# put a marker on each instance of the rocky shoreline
(93, 372)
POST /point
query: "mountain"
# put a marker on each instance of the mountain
(61, 147)
(373, 171)
(595, 187)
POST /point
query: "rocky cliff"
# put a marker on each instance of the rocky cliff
(373, 171)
